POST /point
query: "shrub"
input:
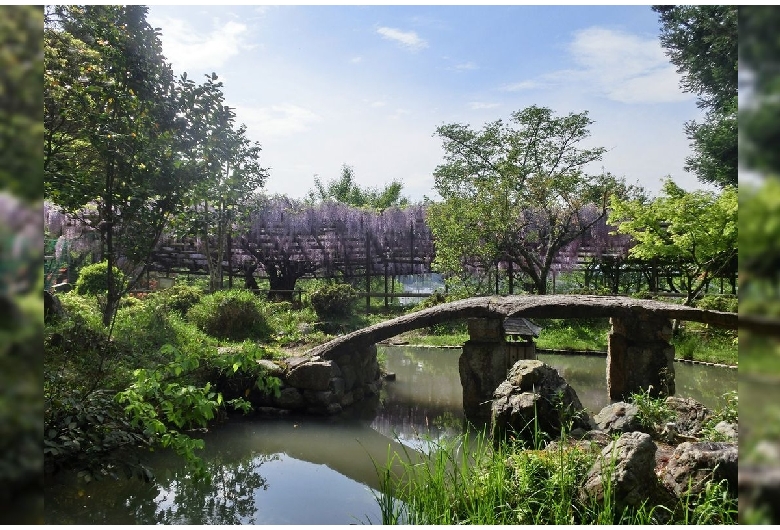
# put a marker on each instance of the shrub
(179, 298)
(93, 279)
(333, 299)
(436, 298)
(654, 412)
(235, 314)
(718, 303)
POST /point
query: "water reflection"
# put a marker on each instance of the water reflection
(315, 470)
(425, 402)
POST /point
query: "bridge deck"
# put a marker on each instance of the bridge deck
(530, 306)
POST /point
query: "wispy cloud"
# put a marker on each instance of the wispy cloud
(522, 85)
(194, 51)
(278, 120)
(626, 67)
(357, 59)
(462, 67)
(407, 39)
(480, 105)
(619, 66)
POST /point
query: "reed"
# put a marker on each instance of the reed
(470, 480)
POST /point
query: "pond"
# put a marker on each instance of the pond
(315, 470)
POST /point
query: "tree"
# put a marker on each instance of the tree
(759, 118)
(226, 168)
(695, 231)
(21, 94)
(701, 41)
(515, 194)
(110, 154)
(347, 191)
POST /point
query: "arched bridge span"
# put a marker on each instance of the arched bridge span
(639, 355)
(530, 306)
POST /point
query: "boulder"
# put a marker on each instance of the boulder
(690, 415)
(270, 368)
(52, 307)
(290, 398)
(759, 489)
(626, 468)
(729, 431)
(535, 396)
(619, 417)
(313, 375)
(693, 464)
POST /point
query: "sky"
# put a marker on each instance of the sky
(321, 86)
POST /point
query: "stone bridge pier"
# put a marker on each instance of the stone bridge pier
(484, 362)
(639, 356)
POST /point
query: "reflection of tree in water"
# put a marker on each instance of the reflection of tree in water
(228, 499)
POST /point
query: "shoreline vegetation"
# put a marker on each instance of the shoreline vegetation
(112, 393)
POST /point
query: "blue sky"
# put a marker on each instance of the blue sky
(321, 86)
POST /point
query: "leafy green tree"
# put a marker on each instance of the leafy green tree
(21, 93)
(701, 41)
(695, 231)
(345, 190)
(110, 117)
(759, 206)
(226, 169)
(759, 233)
(759, 118)
(515, 192)
(21, 255)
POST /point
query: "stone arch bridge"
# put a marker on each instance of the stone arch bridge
(639, 355)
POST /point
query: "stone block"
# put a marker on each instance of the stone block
(315, 375)
(486, 329)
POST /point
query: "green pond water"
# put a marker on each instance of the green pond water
(316, 470)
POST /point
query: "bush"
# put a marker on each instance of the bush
(333, 299)
(235, 314)
(179, 298)
(93, 279)
(718, 303)
(160, 326)
(436, 298)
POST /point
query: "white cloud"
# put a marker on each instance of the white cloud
(480, 105)
(357, 59)
(465, 66)
(408, 39)
(196, 52)
(625, 67)
(277, 120)
(620, 66)
(522, 85)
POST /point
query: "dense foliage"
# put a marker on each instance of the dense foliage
(516, 193)
(93, 279)
(235, 314)
(701, 42)
(695, 232)
(345, 190)
(21, 94)
(333, 299)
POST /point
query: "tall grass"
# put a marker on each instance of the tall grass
(469, 480)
